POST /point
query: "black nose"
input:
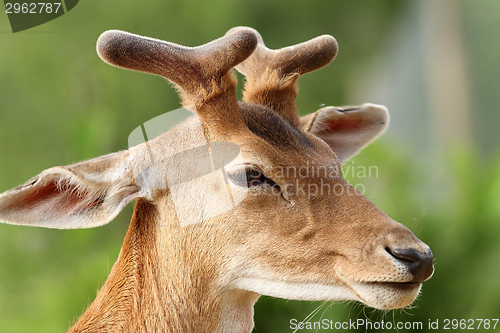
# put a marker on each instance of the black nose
(418, 263)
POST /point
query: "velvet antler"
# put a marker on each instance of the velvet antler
(201, 73)
(272, 74)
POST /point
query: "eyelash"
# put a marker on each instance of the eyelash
(250, 177)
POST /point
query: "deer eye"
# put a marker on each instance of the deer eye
(250, 177)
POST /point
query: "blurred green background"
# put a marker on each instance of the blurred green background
(434, 63)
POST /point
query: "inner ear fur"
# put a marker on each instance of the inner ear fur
(347, 130)
(83, 195)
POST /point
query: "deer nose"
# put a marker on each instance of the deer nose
(419, 264)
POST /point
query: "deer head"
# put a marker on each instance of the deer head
(291, 226)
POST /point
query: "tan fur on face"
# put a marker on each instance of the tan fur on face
(279, 240)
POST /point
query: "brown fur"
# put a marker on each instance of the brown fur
(279, 241)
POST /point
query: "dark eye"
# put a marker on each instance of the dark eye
(250, 177)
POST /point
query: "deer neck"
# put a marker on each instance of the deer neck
(163, 282)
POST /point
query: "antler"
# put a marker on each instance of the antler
(272, 74)
(200, 72)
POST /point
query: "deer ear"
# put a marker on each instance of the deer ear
(82, 195)
(349, 129)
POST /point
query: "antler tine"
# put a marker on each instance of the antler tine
(193, 69)
(271, 74)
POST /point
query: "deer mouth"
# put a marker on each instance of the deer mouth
(384, 295)
(403, 286)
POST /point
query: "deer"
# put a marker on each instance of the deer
(275, 236)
